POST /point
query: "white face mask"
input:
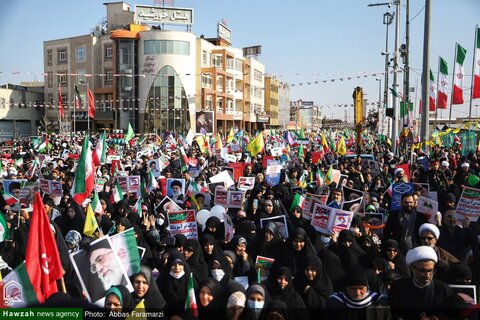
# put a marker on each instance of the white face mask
(160, 221)
(177, 275)
(218, 274)
(257, 305)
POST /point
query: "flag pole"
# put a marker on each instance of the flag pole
(436, 101)
(473, 72)
(453, 84)
(62, 282)
(88, 111)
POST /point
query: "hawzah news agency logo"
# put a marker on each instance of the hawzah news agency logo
(11, 293)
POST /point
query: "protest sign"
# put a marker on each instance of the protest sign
(264, 262)
(237, 169)
(427, 206)
(221, 196)
(235, 199)
(469, 204)
(183, 222)
(224, 177)
(399, 189)
(99, 184)
(246, 183)
(272, 174)
(340, 220)
(320, 218)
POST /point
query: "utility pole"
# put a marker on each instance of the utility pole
(406, 53)
(425, 73)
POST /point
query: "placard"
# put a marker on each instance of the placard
(183, 222)
(321, 217)
(399, 189)
(469, 203)
(246, 183)
(235, 199)
(221, 196)
(281, 223)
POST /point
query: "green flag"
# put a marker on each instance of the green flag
(130, 133)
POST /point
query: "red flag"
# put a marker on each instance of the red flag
(60, 103)
(91, 105)
(42, 259)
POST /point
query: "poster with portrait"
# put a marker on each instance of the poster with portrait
(353, 205)
(51, 187)
(123, 183)
(176, 189)
(235, 199)
(204, 122)
(168, 205)
(280, 222)
(155, 167)
(99, 268)
(21, 189)
(134, 184)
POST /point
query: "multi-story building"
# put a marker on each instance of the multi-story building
(271, 100)
(306, 114)
(21, 109)
(283, 105)
(153, 78)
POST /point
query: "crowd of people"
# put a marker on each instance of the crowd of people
(388, 264)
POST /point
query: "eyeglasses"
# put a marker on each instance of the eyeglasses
(101, 259)
(424, 271)
(427, 238)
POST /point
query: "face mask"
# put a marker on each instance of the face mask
(160, 221)
(325, 240)
(376, 205)
(218, 274)
(257, 305)
(177, 275)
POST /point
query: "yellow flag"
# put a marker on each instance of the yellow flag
(201, 143)
(324, 141)
(467, 126)
(449, 130)
(139, 312)
(457, 130)
(341, 147)
(230, 135)
(218, 141)
(329, 176)
(256, 145)
(90, 222)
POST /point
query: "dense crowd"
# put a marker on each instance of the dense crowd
(389, 264)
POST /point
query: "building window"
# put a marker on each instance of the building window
(204, 57)
(230, 63)
(81, 54)
(108, 76)
(49, 57)
(238, 64)
(167, 47)
(62, 55)
(50, 80)
(108, 52)
(217, 61)
(63, 78)
(220, 105)
(257, 75)
(207, 80)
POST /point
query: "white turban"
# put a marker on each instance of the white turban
(398, 170)
(429, 227)
(421, 253)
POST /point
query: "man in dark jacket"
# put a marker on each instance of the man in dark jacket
(419, 296)
(403, 225)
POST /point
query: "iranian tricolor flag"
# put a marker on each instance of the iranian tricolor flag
(191, 301)
(298, 200)
(44, 146)
(9, 199)
(96, 204)
(476, 67)
(152, 181)
(100, 154)
(16, 289)
(125, 246)
(458, 73)
(117, 194)
(138, 207)
(433, 92)
(4, 231)
(442, 85)
(84, 175)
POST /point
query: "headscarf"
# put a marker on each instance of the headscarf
(74, 237)
(125, 297)
(287, 294)
(174, 290)
(321, 287)
(153, 297)
(196, 261)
